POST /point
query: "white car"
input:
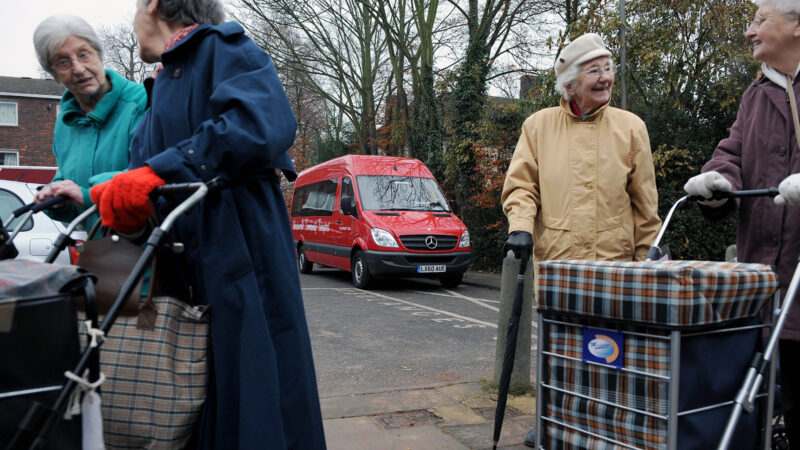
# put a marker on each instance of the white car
(37, 236)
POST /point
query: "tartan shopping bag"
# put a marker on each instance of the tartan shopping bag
(155, 379)
(598, 406)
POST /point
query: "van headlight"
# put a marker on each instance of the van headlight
(464, 240)
(383, 238)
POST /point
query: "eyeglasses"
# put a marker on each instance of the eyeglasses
(758, 20)
(64, 63)
(595, 71)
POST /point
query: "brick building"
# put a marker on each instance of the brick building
(28, 111)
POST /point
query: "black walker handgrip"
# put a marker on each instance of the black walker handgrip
(52, 201)
(718, 195)
(49, 202)
(177, 188)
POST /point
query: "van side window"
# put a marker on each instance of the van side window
(314, 199)
(347, 191)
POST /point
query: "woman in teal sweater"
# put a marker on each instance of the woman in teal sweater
(99, 113)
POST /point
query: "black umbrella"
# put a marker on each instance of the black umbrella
(511, 349)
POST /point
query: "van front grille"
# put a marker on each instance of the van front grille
(430, 259)
(430, 242)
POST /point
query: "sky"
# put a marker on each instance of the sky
(19, 18)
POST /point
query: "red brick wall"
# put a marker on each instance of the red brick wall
(33, 135)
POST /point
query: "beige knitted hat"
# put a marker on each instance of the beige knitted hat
(585, 48)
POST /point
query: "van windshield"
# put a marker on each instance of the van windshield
(394, 193)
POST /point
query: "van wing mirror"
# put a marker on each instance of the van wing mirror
(348, 206)
(453, 204)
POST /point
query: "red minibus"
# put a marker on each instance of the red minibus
(377, 216)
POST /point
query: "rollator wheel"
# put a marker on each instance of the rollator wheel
(779, 439)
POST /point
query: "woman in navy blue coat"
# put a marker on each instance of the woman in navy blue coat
(217, 109)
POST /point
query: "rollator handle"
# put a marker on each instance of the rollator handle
(718, 195)
(41, 206)
(655, 252)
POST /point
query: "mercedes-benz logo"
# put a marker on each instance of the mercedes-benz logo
(431, 242)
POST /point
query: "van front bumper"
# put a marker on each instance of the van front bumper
(406, 264)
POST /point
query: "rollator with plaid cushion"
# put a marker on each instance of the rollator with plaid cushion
(652, 354)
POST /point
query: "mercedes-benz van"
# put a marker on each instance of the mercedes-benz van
(377, 216)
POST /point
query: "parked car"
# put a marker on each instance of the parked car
(37, 236)
(377, 216)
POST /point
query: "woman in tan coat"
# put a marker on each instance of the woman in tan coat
(581, 184)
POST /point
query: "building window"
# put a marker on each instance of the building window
(9, 158)
(8, 114)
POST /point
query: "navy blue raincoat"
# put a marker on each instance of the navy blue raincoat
(218, 110)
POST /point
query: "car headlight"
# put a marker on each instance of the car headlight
(383, 238)
(464, 240)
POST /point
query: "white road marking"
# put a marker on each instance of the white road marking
(454, 317)
(477, 301)
(473, 300)
(455, 294)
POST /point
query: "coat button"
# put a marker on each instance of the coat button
(194, 242)
(782, 151)
(589, 186)
(203, 167)
(592, 127)
(588, 246)
(177, 73)
(191, 152)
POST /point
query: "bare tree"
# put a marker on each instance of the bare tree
(410, 28)
(335, 44)
(493, 28)
(121, 52)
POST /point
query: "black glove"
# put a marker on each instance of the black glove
(519, 242)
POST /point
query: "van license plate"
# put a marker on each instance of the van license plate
(432, 269)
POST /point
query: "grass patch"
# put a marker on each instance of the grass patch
(490, 387)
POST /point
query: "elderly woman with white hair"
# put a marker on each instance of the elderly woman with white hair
(99, 112)
(581, 183)
(763, 150)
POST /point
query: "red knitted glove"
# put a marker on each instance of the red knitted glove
(124, 200)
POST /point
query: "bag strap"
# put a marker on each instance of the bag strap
(146, 319)
(793, 102)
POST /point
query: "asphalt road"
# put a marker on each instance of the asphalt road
(403, 333)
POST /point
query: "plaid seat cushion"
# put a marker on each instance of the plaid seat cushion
(665, 293)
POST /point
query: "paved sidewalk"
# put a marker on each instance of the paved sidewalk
(484, 279)
(449, 416)
(453, 416)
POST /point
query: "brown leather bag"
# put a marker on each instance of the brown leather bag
(112, 258)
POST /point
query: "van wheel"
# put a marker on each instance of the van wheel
(451, 281)
(303, 264)
(360, 271)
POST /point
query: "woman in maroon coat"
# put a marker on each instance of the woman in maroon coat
(760, 152)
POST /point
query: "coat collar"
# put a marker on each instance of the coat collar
(179, 50)
(595, 116)
(775, 76)
(71, 113)
(775, 92)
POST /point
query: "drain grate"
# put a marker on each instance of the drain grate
(407, 419)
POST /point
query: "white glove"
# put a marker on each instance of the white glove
(789, 191)
(705, 184)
